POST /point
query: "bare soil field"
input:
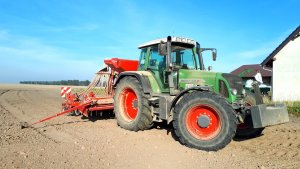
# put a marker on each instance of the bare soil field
(73, 142)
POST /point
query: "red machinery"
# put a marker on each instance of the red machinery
(98, 96)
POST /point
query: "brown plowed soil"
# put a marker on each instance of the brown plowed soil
(73, 142)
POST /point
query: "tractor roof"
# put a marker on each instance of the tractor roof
(174, 39)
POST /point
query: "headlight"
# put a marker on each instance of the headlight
(244, 92)
(234, 91)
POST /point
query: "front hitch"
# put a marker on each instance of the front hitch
(257, 93)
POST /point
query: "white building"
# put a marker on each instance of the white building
(285, 61)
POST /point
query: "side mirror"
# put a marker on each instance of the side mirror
(162, 49)
(209, 68)
(214, 55)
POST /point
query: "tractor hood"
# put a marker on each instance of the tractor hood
(227, 85)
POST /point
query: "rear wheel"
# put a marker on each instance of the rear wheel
(246, 130)
(131, 105)
(204, 120)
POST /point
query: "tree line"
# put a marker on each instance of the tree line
(61, 82)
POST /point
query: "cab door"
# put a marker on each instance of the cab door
(157, 66)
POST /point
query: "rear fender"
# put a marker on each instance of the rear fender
(144, 81)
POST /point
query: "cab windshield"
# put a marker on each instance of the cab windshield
(182, 57)
(185, 58)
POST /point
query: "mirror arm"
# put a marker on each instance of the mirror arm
(168, 59)
(201, 59)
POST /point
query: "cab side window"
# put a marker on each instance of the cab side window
(142, 59)
(156, 61)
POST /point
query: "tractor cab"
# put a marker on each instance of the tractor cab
(169, 57)
(184, 54)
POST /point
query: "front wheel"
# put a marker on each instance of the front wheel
(205, 121)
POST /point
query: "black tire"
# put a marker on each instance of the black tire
(131, 105)
(209, 105)
(246, 130)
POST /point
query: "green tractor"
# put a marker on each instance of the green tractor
(207, 108)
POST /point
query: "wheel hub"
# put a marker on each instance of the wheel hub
(135, 104)
(203, 121)
(130, 103)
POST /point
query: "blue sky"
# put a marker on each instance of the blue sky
(61, 40)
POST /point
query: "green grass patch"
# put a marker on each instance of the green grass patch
(293, 108)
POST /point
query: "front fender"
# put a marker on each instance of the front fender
(196, 88)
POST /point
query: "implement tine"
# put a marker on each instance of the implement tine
(26, 125)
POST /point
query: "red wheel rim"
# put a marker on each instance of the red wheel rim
(129, 103)
(203, 133)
